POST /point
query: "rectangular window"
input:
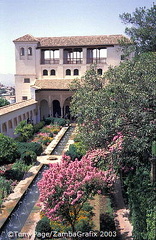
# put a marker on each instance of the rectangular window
(24, 97)
(73, 56)
(26, 80)
(122, 57)
(96, 55)
(50, 56)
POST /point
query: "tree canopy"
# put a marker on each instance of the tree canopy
(122, 102)
(8, 149)
(66, 186)
(142, 30)
(3, 102)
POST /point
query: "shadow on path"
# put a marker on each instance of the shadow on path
(122, 222)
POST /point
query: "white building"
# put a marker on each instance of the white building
(46, 66)
(44, 69)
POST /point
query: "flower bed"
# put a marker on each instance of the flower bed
(46, 135)
(11, 174)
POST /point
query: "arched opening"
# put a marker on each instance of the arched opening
(10, 124)
(66, 107)
(52, 72)
(76, 72)
(68, 72)
(99, 71)
(24, 117)
(44, 109)
(27, 114)
(22, 51)
(4, 127)
(56, 108)
(45, 72)
(29, 51)
(19, 118)
(15, 122)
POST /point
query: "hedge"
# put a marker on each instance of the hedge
(33, 146)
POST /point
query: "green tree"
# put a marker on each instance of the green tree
(3, 102)
(142, 30)
(8, 149)
(25, 130)
(126, 104)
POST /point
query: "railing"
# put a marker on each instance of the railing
(50, 61)
(73, 61)
(96, 60)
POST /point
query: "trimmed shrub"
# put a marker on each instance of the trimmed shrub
(8, 150)
(14, 174)
(49, 120)
(29, 157)
(33, 146)
(18, 170)
(76, 150)
(43, 228)
(58, 121)
(38, 126)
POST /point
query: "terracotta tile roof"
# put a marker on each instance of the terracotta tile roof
(61, 84)
(26, 38)
(73, 40)
(16, 106)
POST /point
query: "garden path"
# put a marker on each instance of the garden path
(123, 224)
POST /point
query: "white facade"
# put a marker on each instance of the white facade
(45, 66)
(12, 114)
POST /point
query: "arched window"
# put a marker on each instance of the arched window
(76, 72)
(15, 122)
(68, 72)
(45, 72)
(52, 72)
(4, 127)
(99, 71)
(30, 51)
(10, 124)
(22, 51)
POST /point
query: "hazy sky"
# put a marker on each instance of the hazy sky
(42, 18)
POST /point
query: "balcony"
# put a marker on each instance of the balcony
(73, 61)
(96, 60)
(50, 61)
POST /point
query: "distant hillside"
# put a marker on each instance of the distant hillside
(7, 79)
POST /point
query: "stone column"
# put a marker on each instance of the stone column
(84, 55)
(61, 56)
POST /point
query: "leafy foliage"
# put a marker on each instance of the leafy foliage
(65, 187)
(57, 121)
(124, 104)
(38, 126)
(25, 130)
(3, 102)
(8, 149)
(43, 228)
(29, 157)
(29, 146)
(142, 30)
(5, 188)
(76, 150)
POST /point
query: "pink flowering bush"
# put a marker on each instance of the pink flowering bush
(65, 187)
(103, 157)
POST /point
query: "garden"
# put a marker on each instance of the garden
(18, 155)
(71, 186)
